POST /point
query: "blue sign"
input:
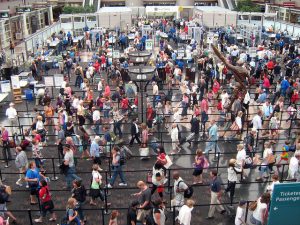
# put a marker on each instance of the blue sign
(285, 204)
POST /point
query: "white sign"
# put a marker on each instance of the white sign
(116, 54)
(15, 82)
(5, 86)
(58, 80)
(49, 82)
(149, 44)
(180, 53)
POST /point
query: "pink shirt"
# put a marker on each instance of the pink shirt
(5, 135)
(204, 105)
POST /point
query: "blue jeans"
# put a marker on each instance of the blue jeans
(117, 170)
(263, 169)
(79, 210)
(211, 145)
(255, 221)
(117, 126)
(78, 81)
(97, 129)
(70, 176)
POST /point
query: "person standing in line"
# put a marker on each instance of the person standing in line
(96, 120)
(198, 167)
(71, 171)
(95, 150)
(46, 203)
(21, 162)
(72, 214)
(79, 193)
(144, 200)
(212, 138)
(232, 178)
(117, 168)
(179, 188)
(185, 213)
(134, 132)
(175, 139)
(6, 148)
(12, 116)
(240, 214)
(95, 190)
(215, 195)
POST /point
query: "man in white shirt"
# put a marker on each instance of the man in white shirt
(70, 172)
(240, 214)
(12, 116)
(154, 92)
(293, 172)
(257, 121)
(174, 138)
(96, 120)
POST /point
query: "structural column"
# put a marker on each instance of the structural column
(134, 3)
(24, 27)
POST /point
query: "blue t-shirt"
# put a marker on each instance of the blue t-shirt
(33, 174)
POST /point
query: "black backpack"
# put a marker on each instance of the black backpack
(188, 193)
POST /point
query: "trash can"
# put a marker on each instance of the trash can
(29, 94)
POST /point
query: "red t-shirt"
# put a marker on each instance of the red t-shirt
(44, 194)
(37, 137)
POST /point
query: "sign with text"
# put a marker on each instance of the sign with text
(58, 80)
(289, 4)
(149, 44)
(252, 51)
(285, 201)
(5, 86)
(116, 54)
(15, 82)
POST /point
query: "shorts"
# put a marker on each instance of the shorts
(34, 191)
(197, 172)
(47, 207)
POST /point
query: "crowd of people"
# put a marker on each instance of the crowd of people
(96, 113)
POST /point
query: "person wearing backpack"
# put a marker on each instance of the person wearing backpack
(117, 168)
(179, 188)
(79, 193)
(71, 213)
(215, 195)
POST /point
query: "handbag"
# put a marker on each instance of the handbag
(169, 162)
(271, 159)
(253, 206)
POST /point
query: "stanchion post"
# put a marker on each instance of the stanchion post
(256, 141)
(247, 210)
(215, 159)
(102, 214)
(54, 178)
(1, 177)
(174, 215)
(30, 217)
(218, 161)
(282, 171)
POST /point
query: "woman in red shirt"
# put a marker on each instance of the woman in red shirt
(46, 203)
(266, 83)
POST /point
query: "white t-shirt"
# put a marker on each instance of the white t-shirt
(240, 156)
(69, 157)
(258, 212)
(96, 175)
(267, 152)
(239, 215)
(11, 113)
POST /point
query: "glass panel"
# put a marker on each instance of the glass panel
(66, 20)
(91, 18)
(79, 19)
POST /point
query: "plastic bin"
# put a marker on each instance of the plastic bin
(29, 94)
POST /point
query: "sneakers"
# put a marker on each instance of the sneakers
(38, 220)
(108, 186)
(19, 184)
(123, 184)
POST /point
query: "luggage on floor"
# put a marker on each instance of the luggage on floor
(144, 153)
